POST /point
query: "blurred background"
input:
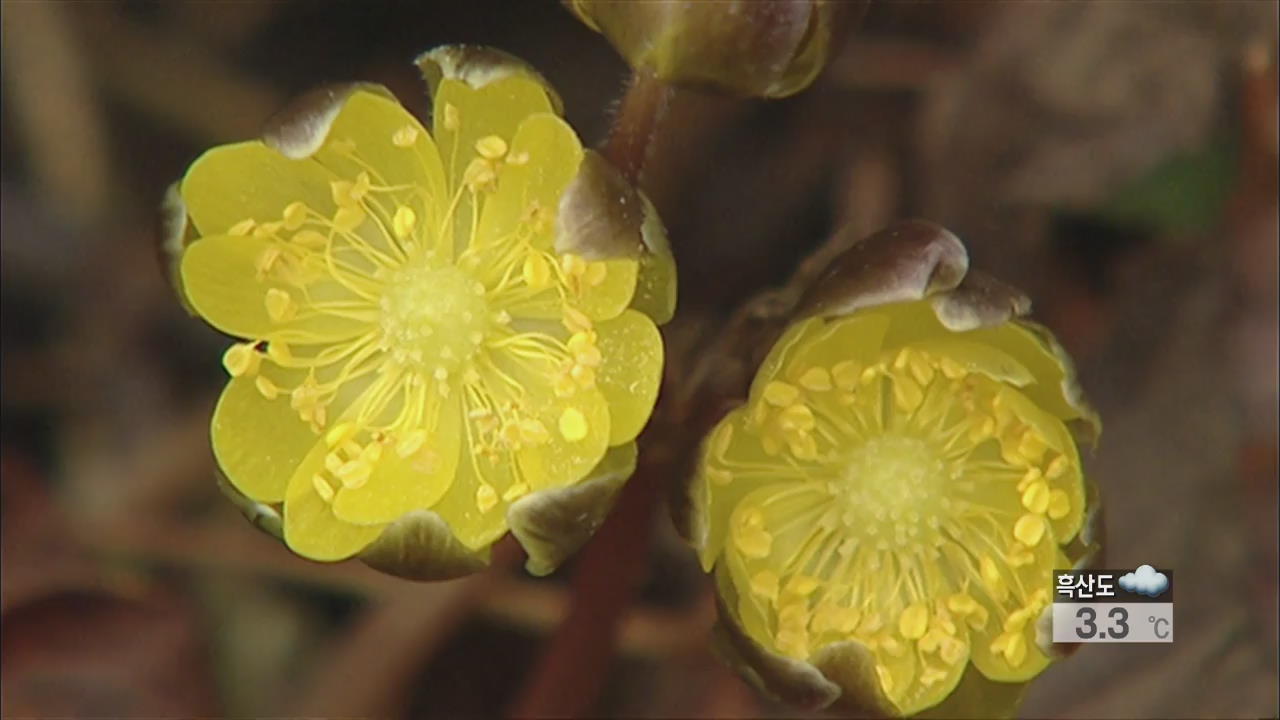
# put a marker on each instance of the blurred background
(1115, 159)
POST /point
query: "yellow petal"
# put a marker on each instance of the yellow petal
(995, 665)
(899, 677)
(821, 342)
(219, 275)
(495, 109)
(474, 522)
(1022, 343)
(714, 502)
(631, 372)
(374, 128)
(259, 443)
(310, 527)
(552, 155)
(414, 481)
(977, 358)
(563, 460)
(751, 611)
(920, 696)
(232, 183)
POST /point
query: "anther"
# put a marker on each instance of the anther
(405, 136)
(403, 221)
(267, 388)
(1059, 504)
(280, 306)
(322, 488)
(486, 497)
(491, 147)
(536, 271)
(1029, 529)
(780, 394)
(241, 359)
(816, 379)
(573, 425)
(347, 219)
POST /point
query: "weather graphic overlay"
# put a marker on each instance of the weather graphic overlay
(1113, 606)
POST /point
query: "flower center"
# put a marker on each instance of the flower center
(433, 317)
(889, 481)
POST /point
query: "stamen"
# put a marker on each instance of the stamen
(280, 305)
(780, 394)
(452, 118)
(486, 497)
(1029, 529)
(491, 147)
(241, 359)
(816, 379)
(573, 425)
(1059, 504)
(267, 388)
(914, 621)
(405, 136)
(403, 222)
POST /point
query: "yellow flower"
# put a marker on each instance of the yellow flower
(890, 503)
(418, 343)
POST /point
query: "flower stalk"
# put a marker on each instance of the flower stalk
(635, 125)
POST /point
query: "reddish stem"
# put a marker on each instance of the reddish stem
(630, 141)
(574, 666)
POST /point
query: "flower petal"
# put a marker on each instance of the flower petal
(994, 666)
(387, 141)
(978, 357)
(259, 443)
(249, 180)
(550, 156)
(1059, 440)
(552, 524)
(420, 546)
(918, 696)
(1022, 341)
(564, 459)
(630, 373)
(464, 114)
(401, 484)
(828, 342)
(219, 275)
(716, 491)
(476, 523)
(310, 527)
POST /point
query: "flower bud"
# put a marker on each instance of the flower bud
(741, 47)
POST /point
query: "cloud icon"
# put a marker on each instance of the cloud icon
(1145, 581)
